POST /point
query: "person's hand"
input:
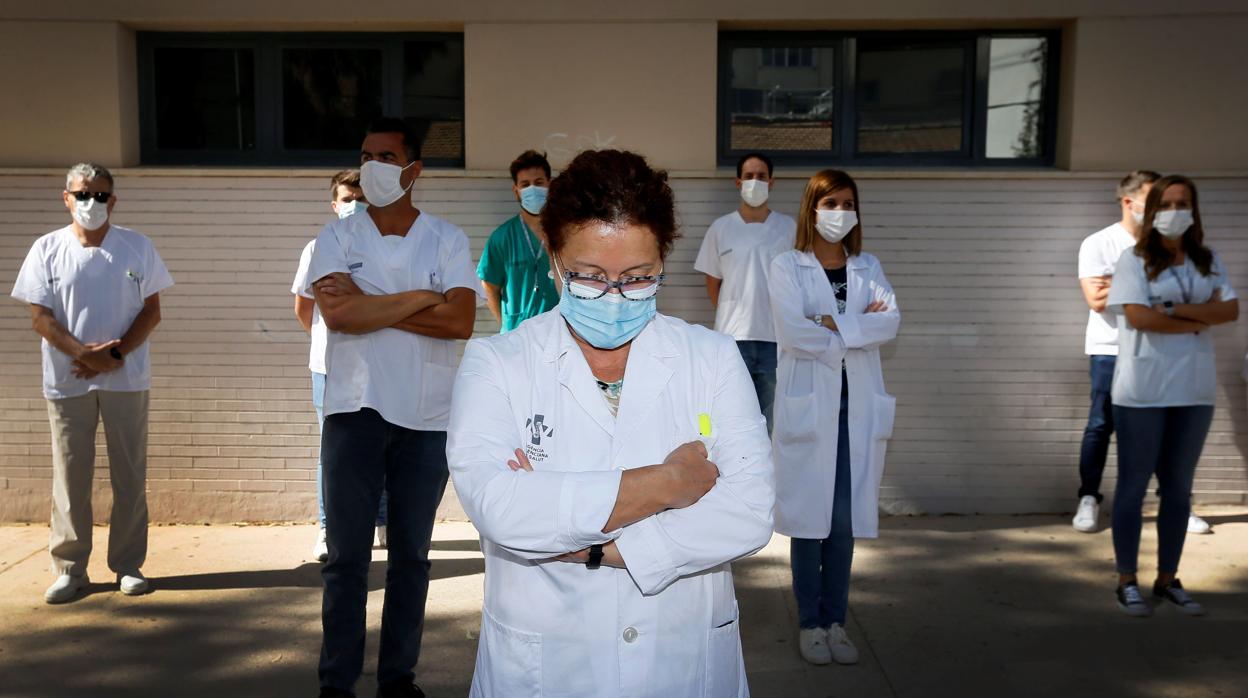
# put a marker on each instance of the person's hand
(521, 462)
(338, 284)
(877, 307)
(828, 321)
(1100, 282)
(96, 358)
(690, 472)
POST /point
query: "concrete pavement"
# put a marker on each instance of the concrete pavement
(941, 606)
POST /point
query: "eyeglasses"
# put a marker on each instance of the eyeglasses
(592, 286)
(101, 197)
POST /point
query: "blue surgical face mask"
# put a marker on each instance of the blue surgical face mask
(608, 322)
(533, 198)
(350, 207)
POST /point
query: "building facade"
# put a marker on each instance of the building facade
(987, 139)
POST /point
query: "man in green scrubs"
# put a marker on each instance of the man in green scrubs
(514, 267)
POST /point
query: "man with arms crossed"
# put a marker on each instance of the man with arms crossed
(94, 294)
(394, 286)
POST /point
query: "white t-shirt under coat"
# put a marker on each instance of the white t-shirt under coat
(740, 254)
(95, 293)
(1098, 255)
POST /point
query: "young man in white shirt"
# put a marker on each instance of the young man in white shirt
(395, 286)
(346, 198)
(1098, 255)
(94, 294)
(735, 255)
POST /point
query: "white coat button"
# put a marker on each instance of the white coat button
(630, 635)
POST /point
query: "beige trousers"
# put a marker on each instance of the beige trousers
(74, 421)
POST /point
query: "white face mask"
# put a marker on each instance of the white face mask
(90, 214)
(754, 192)
(1138, 216)
(350, 208)
(1173, 224)
(833, 226)
(381, 182)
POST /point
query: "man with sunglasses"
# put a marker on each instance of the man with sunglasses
(94, 295)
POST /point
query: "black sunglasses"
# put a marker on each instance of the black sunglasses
(100, 196)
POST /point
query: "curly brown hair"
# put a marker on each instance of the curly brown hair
(1151, 247)
(615, 187)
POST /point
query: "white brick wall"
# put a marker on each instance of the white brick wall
(988, 370)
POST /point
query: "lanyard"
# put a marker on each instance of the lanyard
(528, 238)
(1187, 291)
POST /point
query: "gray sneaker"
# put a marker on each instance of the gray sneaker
(1174, 593)
(1132, 602)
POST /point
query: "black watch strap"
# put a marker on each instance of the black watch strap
(595, 557)
(115, 353)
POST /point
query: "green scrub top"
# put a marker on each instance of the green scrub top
(515, 261)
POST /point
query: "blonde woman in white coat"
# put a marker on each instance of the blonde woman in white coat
(832, 308)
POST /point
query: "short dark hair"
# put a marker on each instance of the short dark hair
(614, 187)
(346, 178)
(753, 156)
(389, 124)
(1135, 180)
(527, 160)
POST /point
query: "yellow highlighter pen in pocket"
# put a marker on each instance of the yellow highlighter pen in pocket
(704, 424)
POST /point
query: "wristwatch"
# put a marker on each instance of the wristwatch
(1169, 306)
(818, 319)
(595, 557)
(115, 353)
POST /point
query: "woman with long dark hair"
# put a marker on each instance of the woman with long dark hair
(1170, 289)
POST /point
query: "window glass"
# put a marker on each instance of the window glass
(781, 98)
(433, 95)
(1015, 97)
(911, 99)
(329, 96)
(205, 99)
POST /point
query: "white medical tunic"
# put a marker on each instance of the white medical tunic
(740, 254)
(405, 377)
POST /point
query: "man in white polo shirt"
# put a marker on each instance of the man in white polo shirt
(395, 286)
(94, 294)
(735, 254)
(1098, 255)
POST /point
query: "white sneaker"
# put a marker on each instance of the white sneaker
(840, 646)
(65, 588)
(381, 536)
(133, 583)
(1088, 514)
(320, 551)
(1197, 525)
(813, 644)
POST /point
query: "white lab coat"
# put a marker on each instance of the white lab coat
(808, 391)
(666, 626)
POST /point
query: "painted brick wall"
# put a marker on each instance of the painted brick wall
(988, 371)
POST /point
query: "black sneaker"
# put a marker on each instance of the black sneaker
(1132, 602)
(331, 692)
(400, 689)
(1174, 593)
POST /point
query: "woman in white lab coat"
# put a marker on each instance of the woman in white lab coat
(832, 308)
(614, 461)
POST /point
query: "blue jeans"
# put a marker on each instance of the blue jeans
(318, 402)
(760, 361)
(1100, 428)
(1165, 441)
(821, 567)
(362, 451)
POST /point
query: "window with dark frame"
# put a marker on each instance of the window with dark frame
(923, 98)
(295, 99)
